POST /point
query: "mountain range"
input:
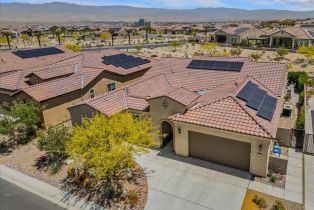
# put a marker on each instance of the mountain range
(58, 12)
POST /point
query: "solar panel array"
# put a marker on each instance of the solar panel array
(258, 100)
(24, 54)
(124, 61)
(240, 31)
(216, 65)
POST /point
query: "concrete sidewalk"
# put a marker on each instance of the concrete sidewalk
(293, 186)
(308, 182)
(46, 191)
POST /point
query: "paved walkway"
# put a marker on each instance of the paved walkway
(179, 183)
(293, 186)
(308, 182)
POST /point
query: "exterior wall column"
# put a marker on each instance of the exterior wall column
(270, 41)
(293, 43)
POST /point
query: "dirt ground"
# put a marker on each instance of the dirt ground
(23, 159)
(248, 203)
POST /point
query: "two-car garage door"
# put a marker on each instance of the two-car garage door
(220, 150)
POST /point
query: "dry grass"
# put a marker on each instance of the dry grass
(248, 203)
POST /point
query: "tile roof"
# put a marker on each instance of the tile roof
(225, 111)
(297, 32)
(117, 101)
(53, 88)
(210, 96)
(93, 59)
(10, 62)
(270, 74)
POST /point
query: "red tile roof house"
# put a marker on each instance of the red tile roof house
(61, 80)
(198, 104)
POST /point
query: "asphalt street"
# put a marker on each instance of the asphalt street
(13, 197)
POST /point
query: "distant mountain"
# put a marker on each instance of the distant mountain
(64, 12)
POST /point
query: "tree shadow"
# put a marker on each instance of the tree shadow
(7, 145)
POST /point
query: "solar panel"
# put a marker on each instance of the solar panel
(312, 33)
(240, 31)
(256, 98)
(267, 108)
(216, 65)
(247, 91)
(124, 61)
(24, 54)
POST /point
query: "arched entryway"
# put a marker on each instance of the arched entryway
(166, 132)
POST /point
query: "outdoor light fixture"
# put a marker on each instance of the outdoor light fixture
(179, 130)
(260, 148)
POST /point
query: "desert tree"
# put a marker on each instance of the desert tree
(38, 34)
(129, 32)
(8, 37)
(113, 33)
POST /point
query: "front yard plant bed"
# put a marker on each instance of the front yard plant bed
(259, 201)
(272, 178)
(24, 158)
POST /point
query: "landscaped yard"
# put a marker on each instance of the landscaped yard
(256, 201)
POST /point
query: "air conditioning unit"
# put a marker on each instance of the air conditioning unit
(287, 110)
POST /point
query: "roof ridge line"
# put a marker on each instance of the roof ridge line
(253, 117)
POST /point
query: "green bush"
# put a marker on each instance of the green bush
(23, 120)
(236, 51)
(282, 51)
(278, 205)
(301, 118)
(260, 202)
(53, 141)
(256, 56)
(299, 79)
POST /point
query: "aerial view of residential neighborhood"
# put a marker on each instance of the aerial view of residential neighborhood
(156, 105)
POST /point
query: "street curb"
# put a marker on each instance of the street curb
(46, 191)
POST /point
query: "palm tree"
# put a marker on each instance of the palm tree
(113, 33)
(129, 32)
(38, 34)
(53, 30)
(148, 30)
(8, 36)
(58, 33)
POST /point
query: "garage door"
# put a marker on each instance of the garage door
(220, 150)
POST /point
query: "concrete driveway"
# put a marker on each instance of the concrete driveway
(185, 183)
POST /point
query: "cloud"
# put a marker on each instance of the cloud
(296, 4)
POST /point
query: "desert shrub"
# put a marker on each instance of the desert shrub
(236, 51)
(278, 205)
(154, 56)
(22, 120)
(256, 56)
(132, 197)
(301, 118)
(260, 202)
(73, 47)
(282, 51)
(53, 141)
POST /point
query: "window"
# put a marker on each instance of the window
(233, 39)
(111, 86)
(92, 93)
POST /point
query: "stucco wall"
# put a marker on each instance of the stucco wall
(158, 111)
(258, 161)
(283, 136)
(5, 97)
(56, 109)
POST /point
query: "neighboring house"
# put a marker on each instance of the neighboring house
(205, 107)
(58, 85)
(235, 35)
(292, 38)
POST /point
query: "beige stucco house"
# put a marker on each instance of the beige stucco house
(66, 81)
(200, 110)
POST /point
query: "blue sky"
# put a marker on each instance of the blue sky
(184, 4)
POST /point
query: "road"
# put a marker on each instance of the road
(121, 47)
(14, 198)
